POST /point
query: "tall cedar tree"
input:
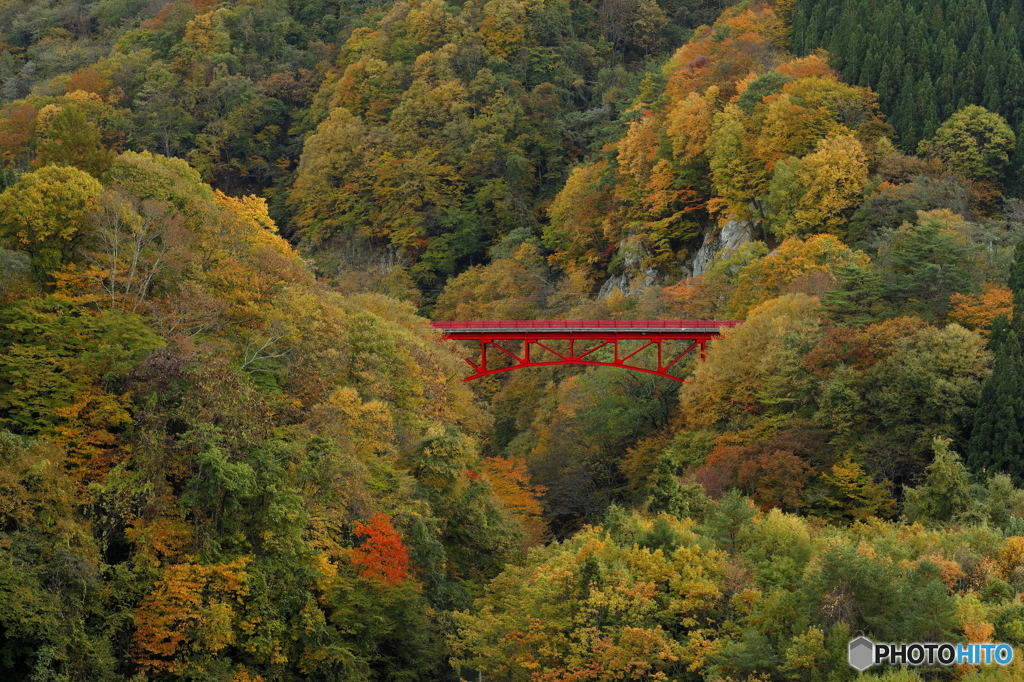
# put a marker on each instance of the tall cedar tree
(857, 298)
(997, 443)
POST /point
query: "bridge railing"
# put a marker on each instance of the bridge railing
(586, 324)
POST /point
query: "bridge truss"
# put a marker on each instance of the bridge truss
(540, 343)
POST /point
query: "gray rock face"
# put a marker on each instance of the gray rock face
(620, 282)
(730, 237)
(634, 276)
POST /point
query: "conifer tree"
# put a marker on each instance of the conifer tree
(997, 441)
(857, 298)
(1016, 283)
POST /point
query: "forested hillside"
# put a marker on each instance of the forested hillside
(925, 59)
(232, 450)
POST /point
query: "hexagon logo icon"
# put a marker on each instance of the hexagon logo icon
(862, 653)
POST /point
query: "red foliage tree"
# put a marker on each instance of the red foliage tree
(382, 557)
(773, 472)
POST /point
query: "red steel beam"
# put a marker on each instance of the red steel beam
(599, 332)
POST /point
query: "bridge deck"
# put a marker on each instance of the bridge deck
(518, 328)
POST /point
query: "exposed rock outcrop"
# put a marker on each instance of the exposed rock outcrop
(730, 237)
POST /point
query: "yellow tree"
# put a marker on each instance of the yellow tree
(690, 123)
(593, 608)
(737, 176)
(818, 192)
(190, 616)
(331, 194)
(658, 207)
(795, 258)
(506, 289)
(129, 250)
(850, 106)
(582, 221)
(46, 214)
(789, 127)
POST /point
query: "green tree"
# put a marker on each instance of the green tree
(54, 603)
(975, 142)
(923, 265)
(923, 387)
(46, 214)
(68, 137)
(857, 298)
(1016, 281)
(736, 175)
(997, 443)
(58, 362)
(945, 493)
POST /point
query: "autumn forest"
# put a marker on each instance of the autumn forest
(232, 448)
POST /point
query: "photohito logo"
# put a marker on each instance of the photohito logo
(864, 653)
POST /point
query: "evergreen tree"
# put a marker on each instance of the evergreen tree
(681, 499)
(927, 111)
(1016, 283)
(857, 299)
(926, 61)
(923, 267)
(996, 441)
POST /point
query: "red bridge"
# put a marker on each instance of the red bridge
(575, 342)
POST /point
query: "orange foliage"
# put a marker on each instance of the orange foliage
(696, 297)
(718, 473)
(1011, 556)
(164, 15)
(86, 432)
(369, 88)
(190, 610)
(776, 478)
(978, 633)
(739, 43)
(242, 674)
(87, 79)
(979, 311)
(774, 472)
(17, 127)
(511, 483)
(382, 557)
(861, 348)
(162, 540)
(950, 572)
(806, 67)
